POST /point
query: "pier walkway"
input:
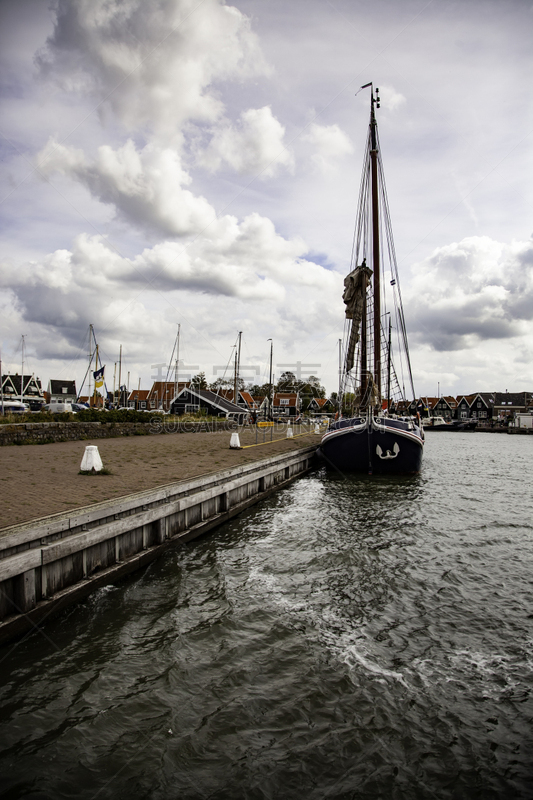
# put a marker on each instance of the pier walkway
(39, 480)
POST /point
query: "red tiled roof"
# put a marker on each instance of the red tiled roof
(139, 394)
(292, 397)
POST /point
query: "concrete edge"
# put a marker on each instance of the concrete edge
(27, 622)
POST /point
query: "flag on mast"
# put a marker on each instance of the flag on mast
(99, 378)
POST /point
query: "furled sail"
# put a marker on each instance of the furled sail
(355, 285)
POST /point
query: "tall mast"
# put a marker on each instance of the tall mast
(339, 397)
(269, 405)
(375, 243)
(96, 370)
(120, 377)
(237, 366)
(22, 376)
(176, 384)
(389, 363)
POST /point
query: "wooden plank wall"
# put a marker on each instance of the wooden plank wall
(46, 564)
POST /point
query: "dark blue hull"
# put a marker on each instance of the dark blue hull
(379, 446)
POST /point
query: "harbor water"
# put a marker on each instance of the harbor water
(350, 637)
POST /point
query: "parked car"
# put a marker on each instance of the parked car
(58, 408)
(15, 407)
(79, 407)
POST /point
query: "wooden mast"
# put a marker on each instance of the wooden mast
(375, 246)
(237, 367)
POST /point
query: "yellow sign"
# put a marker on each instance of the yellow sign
(264, 424)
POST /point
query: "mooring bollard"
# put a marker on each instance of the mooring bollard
(91, 461)
(317, 427)
(289, 433)
(235, 443)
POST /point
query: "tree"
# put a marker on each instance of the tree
(199, 381)
(288, 382)
(259, 391)
(227, 383)
(348, 402)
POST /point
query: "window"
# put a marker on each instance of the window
(464, 413)
(152, 403)
(64, 389)
(284, 401)
(143, 404)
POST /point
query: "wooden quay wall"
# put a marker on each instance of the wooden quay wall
(47, 564)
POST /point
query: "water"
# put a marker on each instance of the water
(360, 638)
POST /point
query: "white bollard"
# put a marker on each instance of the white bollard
(289, 433)
(235, 443)
(91, 461)
(317, 427)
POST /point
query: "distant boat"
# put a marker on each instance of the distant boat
(440, 424)
(371, 439)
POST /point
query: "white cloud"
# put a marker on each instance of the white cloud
(154, 64)
(146, 187)
(330, 144)
(254, 146)
(390, 98)
(249, 262)
(472, 291)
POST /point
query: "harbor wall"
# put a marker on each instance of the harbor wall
(47, 564)
(18, 433)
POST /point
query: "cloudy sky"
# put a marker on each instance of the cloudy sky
(195, 162)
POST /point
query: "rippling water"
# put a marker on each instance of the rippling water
(348, 638)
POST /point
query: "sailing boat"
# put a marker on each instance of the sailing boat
(372, 438)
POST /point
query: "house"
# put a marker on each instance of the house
(162, 394)
(507, 404)
(481, 407)
(32, 392)
(286, 404)
(403, 408)
(463, 407)
(61, 391)
(478, 406)
(251, 402)
(138, 399)
(244, 399)
(321, 405)
(446, 407)
(425, 406)
(191, 400)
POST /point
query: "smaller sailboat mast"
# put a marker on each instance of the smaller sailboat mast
(237, 368)
(177, 363)
(96, 370)
(22, 375)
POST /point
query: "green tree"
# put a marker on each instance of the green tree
(259, 391)
(227, 383)
(287, 382)
(199, 381)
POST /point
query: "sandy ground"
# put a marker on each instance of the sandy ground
(38, 480)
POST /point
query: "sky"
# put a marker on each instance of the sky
(197, 163)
